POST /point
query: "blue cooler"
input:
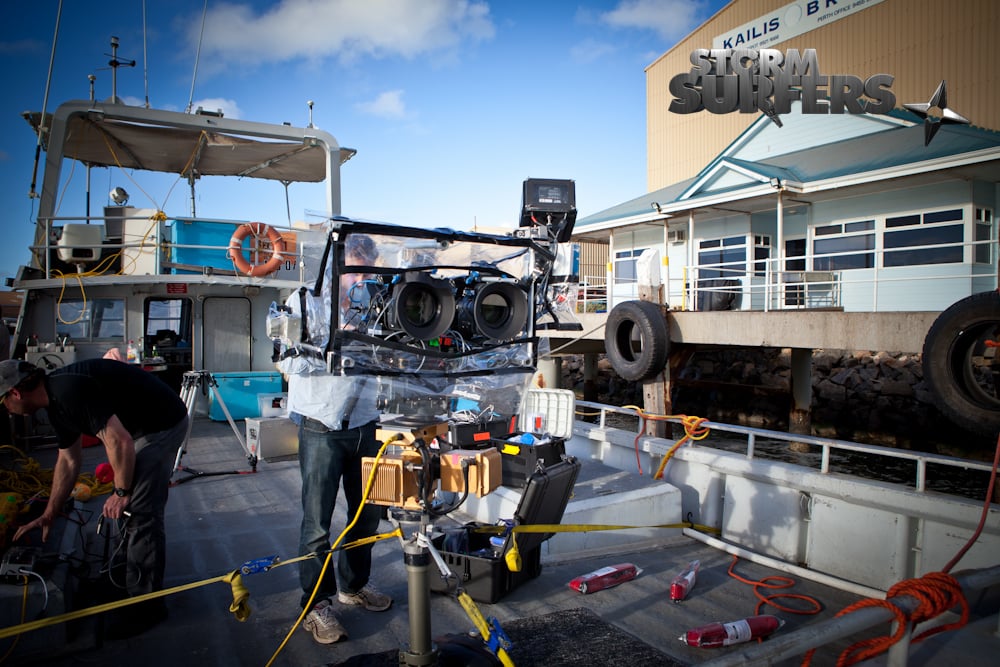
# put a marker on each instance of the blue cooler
(239, 391)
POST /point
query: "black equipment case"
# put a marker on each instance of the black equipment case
(483, 572)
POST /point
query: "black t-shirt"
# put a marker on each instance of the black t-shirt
(84, 395)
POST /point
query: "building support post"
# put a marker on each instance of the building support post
(590, 377)
(655, 391)
(800, 417)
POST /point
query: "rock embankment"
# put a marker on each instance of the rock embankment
(871, 397)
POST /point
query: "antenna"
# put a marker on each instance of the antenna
(310, 103)
(92, 79)
(115, 64)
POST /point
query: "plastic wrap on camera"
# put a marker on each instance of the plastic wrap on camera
(437, 302)
(299, 340)
(407, 400)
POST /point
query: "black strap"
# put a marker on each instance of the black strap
(303, 317)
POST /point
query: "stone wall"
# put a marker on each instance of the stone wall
(871, 397)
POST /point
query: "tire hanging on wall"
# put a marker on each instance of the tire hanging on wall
(636, 340)
(961, 363)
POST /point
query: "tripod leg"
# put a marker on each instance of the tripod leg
(225, 410)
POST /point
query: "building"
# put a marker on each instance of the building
(853, 211)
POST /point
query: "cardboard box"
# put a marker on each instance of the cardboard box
(272, 438)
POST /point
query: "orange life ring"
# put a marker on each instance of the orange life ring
(256, 229)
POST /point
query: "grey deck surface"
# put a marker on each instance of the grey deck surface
(216, 523)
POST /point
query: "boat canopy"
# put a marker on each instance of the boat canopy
(99, 141)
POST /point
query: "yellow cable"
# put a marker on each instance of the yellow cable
(241, 597)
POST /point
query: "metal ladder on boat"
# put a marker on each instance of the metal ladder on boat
(193, 383)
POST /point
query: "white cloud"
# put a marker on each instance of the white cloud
(229, 107)
(671, 19)
(346, 29)
(386, 105)
(590, 51)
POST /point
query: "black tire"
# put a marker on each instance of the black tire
(636, 340)
(962, 372)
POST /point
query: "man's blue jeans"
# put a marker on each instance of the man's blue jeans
(327, 459)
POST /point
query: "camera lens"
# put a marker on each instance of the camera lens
(497, 311)
(423, 306)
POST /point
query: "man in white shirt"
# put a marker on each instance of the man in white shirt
(337, 418)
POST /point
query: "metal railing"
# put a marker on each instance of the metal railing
(150, 244)
(830, 451)
(823, 281)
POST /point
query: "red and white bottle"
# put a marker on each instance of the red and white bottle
(605, 577)
(684, 582)
(733, 632)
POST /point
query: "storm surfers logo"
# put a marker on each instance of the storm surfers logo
(751, 80)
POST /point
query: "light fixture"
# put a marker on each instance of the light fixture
(119, 196)
(656, 207)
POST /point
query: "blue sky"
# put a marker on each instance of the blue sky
(450, 104)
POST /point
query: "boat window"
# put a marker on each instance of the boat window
(91, 319)
(168, 324)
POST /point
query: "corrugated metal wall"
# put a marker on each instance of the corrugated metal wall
(919, 42)
(593, 260)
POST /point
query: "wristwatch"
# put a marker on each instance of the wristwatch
(121, 493)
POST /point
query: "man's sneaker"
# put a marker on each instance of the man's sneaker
(323, 624)
(367, 597)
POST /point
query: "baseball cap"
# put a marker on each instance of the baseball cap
(12, 372)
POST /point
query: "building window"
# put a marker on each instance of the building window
(983, 234)
(904, 235)
(848, 245)
(625, 266)
(91, 320)
(722, 258)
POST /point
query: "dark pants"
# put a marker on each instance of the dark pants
(145, 535)
(327, 459)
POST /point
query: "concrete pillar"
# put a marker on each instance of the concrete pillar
(550, 369)
(590, 377)
(800, 417)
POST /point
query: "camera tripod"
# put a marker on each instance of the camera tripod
(193, 383)
(415, 528)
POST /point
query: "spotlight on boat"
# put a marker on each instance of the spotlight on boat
(119, 196)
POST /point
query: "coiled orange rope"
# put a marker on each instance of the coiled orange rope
(693, 430)
(936, 593)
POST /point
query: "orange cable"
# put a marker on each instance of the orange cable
(775, 582)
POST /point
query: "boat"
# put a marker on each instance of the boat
(189, 296)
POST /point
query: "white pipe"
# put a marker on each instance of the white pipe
(782, 566)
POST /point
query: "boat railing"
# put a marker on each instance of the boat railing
(138, 243)
(829, 455)
(853, 623)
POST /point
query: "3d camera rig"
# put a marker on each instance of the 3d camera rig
(446, 323)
